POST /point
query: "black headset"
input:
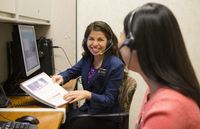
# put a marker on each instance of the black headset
(110, 42)
(130, 38)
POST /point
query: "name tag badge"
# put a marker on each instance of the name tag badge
(102, 72)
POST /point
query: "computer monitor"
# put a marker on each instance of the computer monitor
(22, 56)
(29, 49)
(24, 47)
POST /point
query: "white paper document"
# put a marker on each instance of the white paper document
(42, 88)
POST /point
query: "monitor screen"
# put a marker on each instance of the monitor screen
(29, 48)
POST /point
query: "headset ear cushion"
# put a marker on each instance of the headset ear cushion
(109, 43)
(127, 42)
(131, 43)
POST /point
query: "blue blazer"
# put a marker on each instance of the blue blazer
(104, 86)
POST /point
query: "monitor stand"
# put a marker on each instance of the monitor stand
(16, 91)
(12, 84)
(12, 88)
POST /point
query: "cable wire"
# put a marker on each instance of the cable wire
(64, 53)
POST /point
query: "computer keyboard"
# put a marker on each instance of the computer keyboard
(16, 125)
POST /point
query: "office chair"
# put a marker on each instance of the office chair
(127, 90)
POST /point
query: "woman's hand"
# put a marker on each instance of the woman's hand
(57, 79)
(73, 96)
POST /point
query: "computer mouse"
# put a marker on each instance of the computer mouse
(29, 119)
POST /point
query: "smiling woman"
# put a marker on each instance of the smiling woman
(102, 71)
(96, 43)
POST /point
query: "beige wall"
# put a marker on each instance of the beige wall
(114, 11)
(63, 31)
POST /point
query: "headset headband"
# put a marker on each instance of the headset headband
(129, 25)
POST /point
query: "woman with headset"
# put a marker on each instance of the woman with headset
(101, 72)
(153, 46)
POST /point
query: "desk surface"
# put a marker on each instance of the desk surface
(48, 120)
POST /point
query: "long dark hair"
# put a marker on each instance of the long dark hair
(111, 37)
(161, 49)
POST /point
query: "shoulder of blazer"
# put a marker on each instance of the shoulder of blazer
(112, 61)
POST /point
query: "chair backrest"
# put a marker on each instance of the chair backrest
(127, 90)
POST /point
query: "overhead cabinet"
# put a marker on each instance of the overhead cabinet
(26, 11)
(7, 10)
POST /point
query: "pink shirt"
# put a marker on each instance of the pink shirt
(168, 109)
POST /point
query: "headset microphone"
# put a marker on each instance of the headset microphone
(111, 44)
